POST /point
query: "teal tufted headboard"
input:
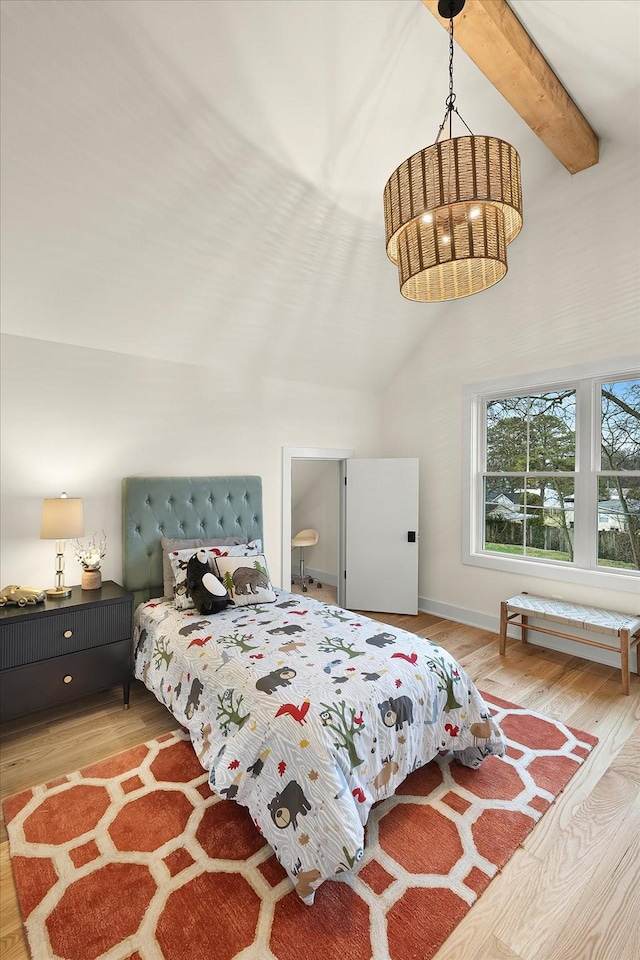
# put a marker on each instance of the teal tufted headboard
(181, 507)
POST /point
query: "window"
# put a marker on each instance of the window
(554, 478)
(619, 476)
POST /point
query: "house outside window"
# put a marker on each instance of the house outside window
(553, 477)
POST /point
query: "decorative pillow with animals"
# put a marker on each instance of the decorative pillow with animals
(180, 558)
(246, 579)
(171, 544)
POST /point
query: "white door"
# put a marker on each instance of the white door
(381, 535)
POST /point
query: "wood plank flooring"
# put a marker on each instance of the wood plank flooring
(571, 892)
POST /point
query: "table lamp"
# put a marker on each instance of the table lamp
(61, 519)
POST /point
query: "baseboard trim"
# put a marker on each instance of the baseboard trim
(449, 612)
(484, 621)
(330, 579)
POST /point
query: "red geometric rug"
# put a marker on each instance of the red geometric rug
(132, 858)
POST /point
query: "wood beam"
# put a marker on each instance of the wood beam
(493, 37)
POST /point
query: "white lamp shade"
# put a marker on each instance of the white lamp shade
(61, 518)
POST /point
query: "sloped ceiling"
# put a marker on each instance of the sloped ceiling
(201, 180)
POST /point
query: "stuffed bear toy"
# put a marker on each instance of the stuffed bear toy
(206, 591)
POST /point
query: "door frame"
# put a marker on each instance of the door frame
(310, 453)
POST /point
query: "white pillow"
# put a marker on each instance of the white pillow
(180, 558)
(246, 579)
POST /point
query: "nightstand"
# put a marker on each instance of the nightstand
(63, 649)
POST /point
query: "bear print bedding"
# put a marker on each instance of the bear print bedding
(308, 714)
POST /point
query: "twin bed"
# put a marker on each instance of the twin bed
(303, 712)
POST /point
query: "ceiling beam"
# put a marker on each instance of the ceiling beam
(493, 37)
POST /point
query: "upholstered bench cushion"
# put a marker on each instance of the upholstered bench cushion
(559, 611)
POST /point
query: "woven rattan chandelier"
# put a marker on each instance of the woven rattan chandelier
(451, 209)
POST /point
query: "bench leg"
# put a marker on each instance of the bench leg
(503, 629)
(624, 660)
(525, 627)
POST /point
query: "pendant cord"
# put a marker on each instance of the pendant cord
(450, 107)
(451, 98)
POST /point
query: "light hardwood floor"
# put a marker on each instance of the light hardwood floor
(571, 892)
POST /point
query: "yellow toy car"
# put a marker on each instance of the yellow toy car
(20, 595)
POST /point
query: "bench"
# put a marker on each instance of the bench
(595, 619)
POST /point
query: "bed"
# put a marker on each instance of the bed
(303, 712)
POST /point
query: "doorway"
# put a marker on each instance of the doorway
(293, 459)
(385, 490)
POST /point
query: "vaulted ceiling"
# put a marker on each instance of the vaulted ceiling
(201, 180)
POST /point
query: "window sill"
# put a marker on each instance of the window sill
(627, 582)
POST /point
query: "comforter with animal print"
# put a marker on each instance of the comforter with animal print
(309, 714)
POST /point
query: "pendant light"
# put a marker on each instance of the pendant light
(451, 209)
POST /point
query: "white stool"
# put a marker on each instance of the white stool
(305, 538)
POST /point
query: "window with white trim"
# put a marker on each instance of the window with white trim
(554, 478)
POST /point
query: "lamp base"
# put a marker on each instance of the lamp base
(58, 593)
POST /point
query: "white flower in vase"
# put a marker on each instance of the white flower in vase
(91, 560)
(91, 552)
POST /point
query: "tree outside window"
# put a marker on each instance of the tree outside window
(529, 474)
(619, 478)
(532, 470)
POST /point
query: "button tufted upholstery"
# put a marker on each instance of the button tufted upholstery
(156, 507)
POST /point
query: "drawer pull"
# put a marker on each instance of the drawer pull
(68, 633)
(68, 678)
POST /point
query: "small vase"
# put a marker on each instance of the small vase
(91, 579)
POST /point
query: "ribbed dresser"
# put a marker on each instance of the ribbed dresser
(60, 650)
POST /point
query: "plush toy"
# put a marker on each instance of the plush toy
(207, 593)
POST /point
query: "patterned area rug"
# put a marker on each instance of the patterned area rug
(132, 858)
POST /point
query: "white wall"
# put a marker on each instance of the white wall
(79, 420)
(571, 296)
(315, 504)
